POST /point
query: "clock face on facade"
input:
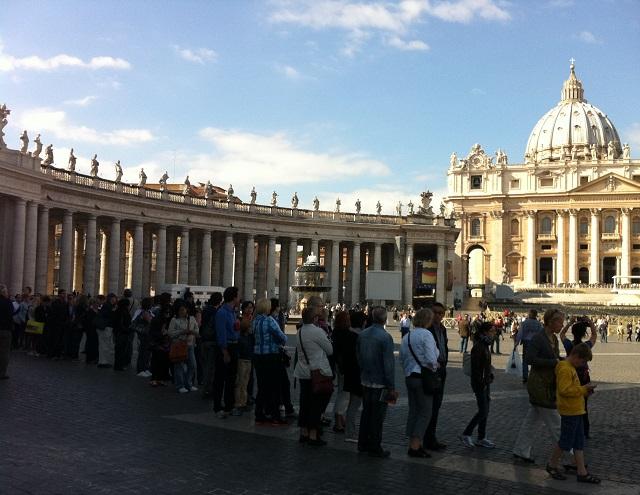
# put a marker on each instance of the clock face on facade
(477, 162)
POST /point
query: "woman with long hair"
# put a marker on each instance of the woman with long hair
(339, 336)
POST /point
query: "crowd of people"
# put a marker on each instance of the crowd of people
(236, 352)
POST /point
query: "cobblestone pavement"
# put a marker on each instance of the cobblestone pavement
(69, 429)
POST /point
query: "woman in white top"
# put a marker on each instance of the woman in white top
(418, 343)
(313, 348)
(184, 327)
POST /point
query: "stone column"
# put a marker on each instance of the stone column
(114, 257)
(249, 267)
(239, 261)
(283, 287)
(66, 252)
(31, 245)
(147, 249)
(205, 267)
(573, 247)
(271, 267)
(560, 247)
(336, 279)
(216, 260)
(594, 268)
(530, 276)
(103, 285)
(138, 260)
(161, 258)
(441, 275)
(227, 272)
(293, 264)
(355, 274)
(183, 270)
(315, 248)
(90, 252)
(408, 274)
(497, 259)
(625, 231)
(193, 259)
(42, 265)
(17, 258)
(78, 258)
(397, 262)
(377, 256)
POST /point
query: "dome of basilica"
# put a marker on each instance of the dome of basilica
(572, 129)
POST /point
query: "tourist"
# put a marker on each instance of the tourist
(20, 314)
(629, 334)
(529, 328)
(32, 340)
(76, 327)
(133, 307)
(571, 397)
(498, 324)
(284, 363)
(91, 346)
(463, 331)
(351, 370)
(543, 354)
(226, 353)
(405, 324)
(140, 322)
(418, 351)
(245, 353)
(247, 309)
(208, 343)
(638, 333)
(481, 380)
(439, 333)
(183, 329)
(377, 374)
(121, 330)
(58, 322)
(104, 327)
(341, 330)
(6, 330)
(578, 331)
(313, 349)
(268, 339)
(160, 341)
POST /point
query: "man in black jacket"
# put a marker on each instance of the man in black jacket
(439, 333)
(6, 330)
(208, 343)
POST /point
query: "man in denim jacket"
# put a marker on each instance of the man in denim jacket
(377, 372)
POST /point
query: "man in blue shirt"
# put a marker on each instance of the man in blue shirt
(377, 373)
(226, 353)
(529, 328)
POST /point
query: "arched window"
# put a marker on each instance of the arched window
(635, 226)
(584, 226)
(546, 225)
(610, 225)
(475, 227)
(515, 227)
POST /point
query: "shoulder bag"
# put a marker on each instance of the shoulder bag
(320, 384)
(431, 381)
(179, 350)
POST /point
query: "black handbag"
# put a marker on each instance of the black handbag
(431, 381)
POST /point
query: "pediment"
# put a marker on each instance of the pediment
(610, 183)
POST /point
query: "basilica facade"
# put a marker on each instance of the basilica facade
(569, 215)
(65, 230)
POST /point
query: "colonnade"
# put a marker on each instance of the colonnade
(54, 248)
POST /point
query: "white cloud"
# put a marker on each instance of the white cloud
(289, 72)
(81, 102)
(10, 63)
(478, 91)
(561, 4)
(197, 55)
(414, 45)
(46, 120)
(588, 37)
(359, 19)
(244, 159)
(632, 136)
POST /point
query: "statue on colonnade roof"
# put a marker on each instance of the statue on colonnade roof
(25, 142)
(38, 150)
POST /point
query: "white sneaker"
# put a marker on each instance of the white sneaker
(143, 374)
(148, 374)
(351, 440)
(487, 444)
(221, 415)
(182, 390)
(194, 389)
(467, 441)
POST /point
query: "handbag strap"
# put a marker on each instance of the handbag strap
(302, 347)
(411, 350)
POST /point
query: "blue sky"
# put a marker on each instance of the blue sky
(330, 98)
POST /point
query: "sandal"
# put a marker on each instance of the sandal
(555, 473)
(588, 478)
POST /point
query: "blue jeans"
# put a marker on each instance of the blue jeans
(184, 373)
(480, 418)
(464, 342)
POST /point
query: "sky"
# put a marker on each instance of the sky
(335, 98)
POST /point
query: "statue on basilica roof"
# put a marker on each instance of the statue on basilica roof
(594, 153)
(94, 165)
(48, 156)
(163, 180)
(72, 162)
(25, 142)
(453, 160)
(294, 200)
(274, 198)
(611, 151)
(626, 151)
(38, 149)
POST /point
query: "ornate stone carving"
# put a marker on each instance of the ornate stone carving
(338, 203)
(38, 149)
(410, 205)
(358, 206)
(208, 190)
(25, 142)
(378, 208)
(4, 113)
(626, 151)
(611, 183)
(118, 172)
(453, 160)
(163, 181)
(316, 204)
(611, 151)
(594, 153)
(254, 195)
(294, 200)
(426, 208)
(274, 198)
(497, 214)
(399, 208)
(71, 167)
(230, 192)
(186, 190)
(595, 211)
(94, 166)
(506, 276)
(142, 178)
(48, 156)
(478, 159)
